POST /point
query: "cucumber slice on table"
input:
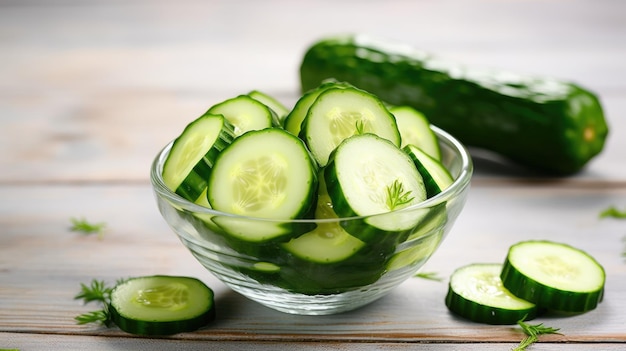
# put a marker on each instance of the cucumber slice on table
(266, 174)
(338, 113)
(370, 176)
(245, 113)
(554, 275)
(415, 129)
(193, 153)
(161, 305)
(476, 292)
(436, 176)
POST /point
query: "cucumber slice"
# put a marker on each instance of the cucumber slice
(476, 292)
(436, 176)
(339, 113)
(328, 242)
(161, 305)
(245, 113)
(279, 109)
(554, 275)
(193, 153)
(421, 249)
(370, 176)
(293, 121)
(415, 129)
(263, 174)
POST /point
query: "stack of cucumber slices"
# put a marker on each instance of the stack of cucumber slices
(339, 152)
(537, 276)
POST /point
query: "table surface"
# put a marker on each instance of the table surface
(91, 90)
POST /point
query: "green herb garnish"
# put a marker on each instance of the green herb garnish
(97, 291)
(429, 275)
(82, 226)
(397, 196)
(613, 212)
(532, 332)
(359, 127)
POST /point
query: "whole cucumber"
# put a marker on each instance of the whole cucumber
(552, 126)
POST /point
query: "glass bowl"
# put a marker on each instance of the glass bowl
(274, 274)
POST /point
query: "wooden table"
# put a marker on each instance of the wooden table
(91, 90)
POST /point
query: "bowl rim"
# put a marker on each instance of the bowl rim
(459, 184)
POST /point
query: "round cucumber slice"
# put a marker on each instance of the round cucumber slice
(328, 242)
(188, 165)
(476, 292)
(370, 176)
(161, 305)
(415, 130)
(245, 113)
(265, 174)
(554, 275)
(339, 113)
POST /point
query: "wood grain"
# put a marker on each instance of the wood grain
(43, 264)
(90, 91)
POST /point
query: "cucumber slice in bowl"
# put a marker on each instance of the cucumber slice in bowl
(193, 153)
(245, 113)
(293, 121)
(370, 176)
(476, 292)
(436, 177)
(339, 113)
(415, 130)
(554, 275)
(279, 109)
(264, 174)
(328, 242)
(161, 305)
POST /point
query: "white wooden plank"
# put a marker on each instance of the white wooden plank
(42, 265)
(47, 342)
(93, 90)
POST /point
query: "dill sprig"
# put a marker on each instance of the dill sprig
(359, 127)
(97, 291)
(429, 275)
(397, 196)
(533, 331)
(81, 225)
(613, 212)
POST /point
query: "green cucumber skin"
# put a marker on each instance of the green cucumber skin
(161, 328)
(548, 297)
(194, 184)
(485, 314)
(551, 126)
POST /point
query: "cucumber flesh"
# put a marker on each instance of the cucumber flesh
(554, 275)
(339, 113)
(369, 175)
(265, 174)
(328, 242)
(161, 305)
(245, 113)
(293, 121)
(476, 292)
(415, 130)
(190, 160)
(279, 109)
